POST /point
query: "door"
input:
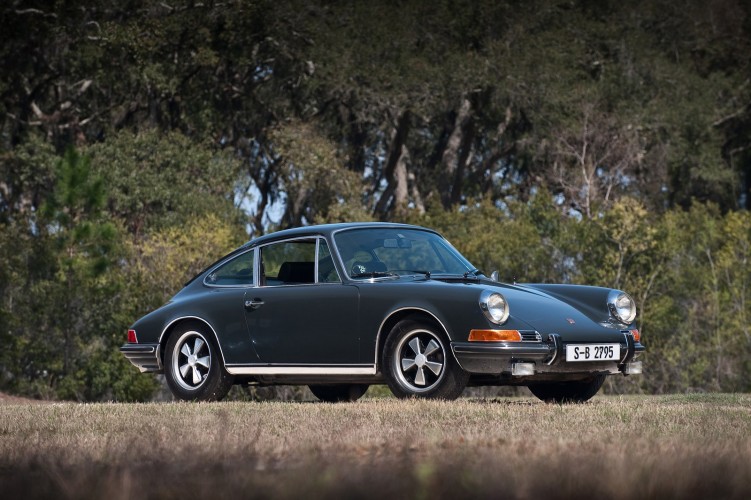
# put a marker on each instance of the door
(302, 314)
(223, 307)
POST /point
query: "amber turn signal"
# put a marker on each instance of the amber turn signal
(636, 335)
(495, 336)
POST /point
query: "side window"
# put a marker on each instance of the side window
(326, 269)
(238, 271)
(289, 263)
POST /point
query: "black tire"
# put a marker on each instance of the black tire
(417, 362)
(338, 393)
(193, 366)
(577, 391)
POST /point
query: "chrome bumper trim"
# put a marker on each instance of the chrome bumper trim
(495, 358)
(145, 357)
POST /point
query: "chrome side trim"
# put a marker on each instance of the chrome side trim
(300, 370)
(228, 286)
(216, 337)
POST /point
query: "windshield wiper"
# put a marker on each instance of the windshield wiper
(473, 273)
(374, 274)
(418, 271)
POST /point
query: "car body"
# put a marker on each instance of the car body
(342, 306)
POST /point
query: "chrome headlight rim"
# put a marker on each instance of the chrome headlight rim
(622, 307)
(495, 306)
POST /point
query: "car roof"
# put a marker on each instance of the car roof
(327, 230)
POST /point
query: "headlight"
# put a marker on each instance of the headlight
(495, 307)
(622, 307)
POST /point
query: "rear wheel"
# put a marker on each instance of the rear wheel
(193, 367)
(338, 393)
(417, 362)
(577, 391)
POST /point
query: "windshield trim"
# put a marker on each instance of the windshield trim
(335, 247)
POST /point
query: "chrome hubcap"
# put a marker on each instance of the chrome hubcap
(191, 360)
(420, 359)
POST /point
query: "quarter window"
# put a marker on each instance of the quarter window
(237, 271)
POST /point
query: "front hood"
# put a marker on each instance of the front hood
(575, 312)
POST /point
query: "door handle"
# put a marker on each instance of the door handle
(253, 304)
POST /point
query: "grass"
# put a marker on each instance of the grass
(613, 447)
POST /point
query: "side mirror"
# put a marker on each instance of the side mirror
(494, 276)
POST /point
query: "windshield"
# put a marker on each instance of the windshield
(376, 252)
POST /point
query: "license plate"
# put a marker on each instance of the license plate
(593, 352)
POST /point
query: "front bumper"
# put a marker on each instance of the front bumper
(497, 358)
(145, 357)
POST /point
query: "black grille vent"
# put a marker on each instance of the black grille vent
(530, 336)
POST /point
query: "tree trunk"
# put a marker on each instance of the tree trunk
(452, 155)
(397, 155)
(400, 179)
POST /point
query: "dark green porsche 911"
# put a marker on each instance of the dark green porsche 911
(340, 307)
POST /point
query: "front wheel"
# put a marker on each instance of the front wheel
(417, 362)
(193, 367)
(338, 393)
(577, 391)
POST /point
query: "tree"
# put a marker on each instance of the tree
(157, 180)
(318, 187)
(69, 277)
(600, 135)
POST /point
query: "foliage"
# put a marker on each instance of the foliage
(167, 258)
(687, 270)
(603, 143)
(81, 269)
(160, 180)
(57, 300)
(319, 188)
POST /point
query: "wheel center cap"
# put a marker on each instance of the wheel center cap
(420, 360)
(192, 360)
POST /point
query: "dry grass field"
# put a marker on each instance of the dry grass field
(689, 446)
